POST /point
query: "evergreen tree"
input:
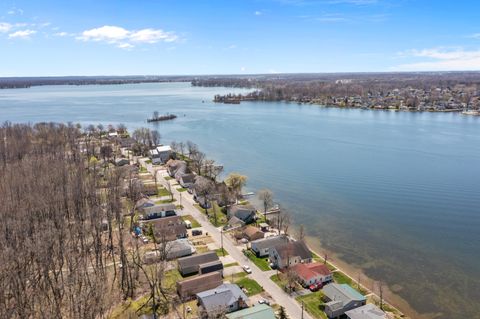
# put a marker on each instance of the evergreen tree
(282, 314)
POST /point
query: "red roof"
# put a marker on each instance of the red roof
(309, 271)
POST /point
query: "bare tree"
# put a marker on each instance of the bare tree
(266, 196)
(236, 182)
(301, 232)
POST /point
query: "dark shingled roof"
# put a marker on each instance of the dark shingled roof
(296, 248)
(196, 260)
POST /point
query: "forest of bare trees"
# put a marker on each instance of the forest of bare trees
(62, 253)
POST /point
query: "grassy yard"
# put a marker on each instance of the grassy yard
(143, 169)
(317, 258)
(279, 281)
(195, 223)
(181, 189)
(163, 192)
(261, 263)
(202, 249)
(230, 265)
(313, 304)
(148, 162)
(221, 252)
(250, 285)
(170, 279)
(167, 178)
(212, 212)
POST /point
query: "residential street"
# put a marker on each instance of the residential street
(263, 278)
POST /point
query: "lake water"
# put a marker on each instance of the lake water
(395, 194)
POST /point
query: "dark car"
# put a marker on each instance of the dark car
(196, 232)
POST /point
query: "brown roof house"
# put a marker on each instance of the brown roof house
(253, 233)
(290, 254)
(167, 228)
(189, 287)
(246, 213)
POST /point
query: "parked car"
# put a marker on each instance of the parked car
(264, 301)
(196, 232)
(247, 269)
(315, 287)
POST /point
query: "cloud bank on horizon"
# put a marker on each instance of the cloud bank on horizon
(251, 36)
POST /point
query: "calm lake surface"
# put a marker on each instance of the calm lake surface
(395, 194)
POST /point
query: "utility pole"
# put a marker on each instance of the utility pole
(302, 309)
(221, 239)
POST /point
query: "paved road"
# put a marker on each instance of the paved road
(293, 309)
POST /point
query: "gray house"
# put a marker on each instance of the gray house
(187, 180)
(368, 311)
(342, 298)
(192, 264)
(223, 299)
(160, 154)
(289, 254)
(246, 213)
(261, 246)
(158, 211)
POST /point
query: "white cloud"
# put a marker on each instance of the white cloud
(22, 34)
(61, 34)
(441, 59)
(14, 11)
(5, 27)
(258, 13)
(243, 69)
(232, 46)
(122, 37)
(126, 46)
(475, 36)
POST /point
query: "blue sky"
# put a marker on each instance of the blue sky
(126, 37)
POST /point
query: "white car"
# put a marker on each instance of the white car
(247, 269)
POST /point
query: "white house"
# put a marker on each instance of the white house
(160, 154)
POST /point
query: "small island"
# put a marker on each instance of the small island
(157, 118)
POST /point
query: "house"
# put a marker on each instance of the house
(191, 265)
(166, 228)
(235, 222)
(341, 298)
(252, 233)
(260, 311)
(261, 247)
(179, 248)
(220, 192)
(144, 202)
(187, 180)
(289, 254)
(246, 213)
(189, 287)
(157, 211)
(160, 154)
(368, 311)
(313, 273)
(223, 299)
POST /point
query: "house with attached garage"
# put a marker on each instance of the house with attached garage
(223, 299)
(312, 274)
(188, 288)
(192, 264)
(246, 213)
(262, 246)
(289, 254)
(160, 154)
(340, 299)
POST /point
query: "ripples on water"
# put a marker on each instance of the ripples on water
(393, 193)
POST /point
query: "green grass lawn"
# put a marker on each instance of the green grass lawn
(195, 223)
(148, 162)
(170, 279)
(165, 201)
(143, 169)
(261, 263)
(230, 265)
(312, 303)
(167, 178)
(221, 217)
(251, 285)
(221, 252)
(163, 192)
(279, 281)
(181, 189)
